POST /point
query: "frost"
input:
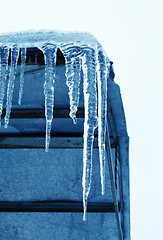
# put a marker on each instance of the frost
(84, 57)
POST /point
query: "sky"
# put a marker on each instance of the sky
(131, 32)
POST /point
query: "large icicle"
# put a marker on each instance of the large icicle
(49, 51)
(102, 108)
(4, 52)
(23, 58)
(90, 103)
(72, 54)
(11, 82)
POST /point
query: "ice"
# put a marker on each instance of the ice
(102, 108)
(49, 51)
(11, 82)
(72, 54)
(23, 58)
(4, 52)
(35, 38)
(84, 57)
(90, 104)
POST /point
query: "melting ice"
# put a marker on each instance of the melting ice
(82, 53)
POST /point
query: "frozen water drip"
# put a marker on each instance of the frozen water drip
(11, 82)
(4, 53)
(23, 58)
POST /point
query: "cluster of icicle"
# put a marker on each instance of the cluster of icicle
(92, 61)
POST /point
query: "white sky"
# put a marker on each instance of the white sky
(131, 32)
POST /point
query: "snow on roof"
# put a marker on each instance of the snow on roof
(30, 38)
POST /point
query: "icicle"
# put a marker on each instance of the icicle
(23, 58)
(49, 51)
(73, 82)
(4, 52)
(102, 108)
(90, 103)
(11, 82)
(72, 56)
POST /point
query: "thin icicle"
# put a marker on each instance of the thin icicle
(49, 51)
(102, 108)
(72, 54)
(23, 58)
(4, 52)
(90, 103)
(11, 82)
(73, 83)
